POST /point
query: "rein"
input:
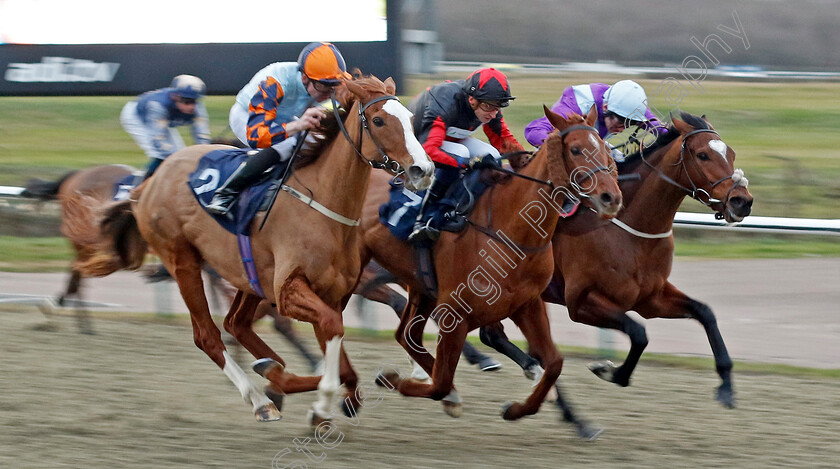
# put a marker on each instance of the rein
(488, 230)
(386, 163)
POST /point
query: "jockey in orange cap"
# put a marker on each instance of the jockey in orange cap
(280, 101)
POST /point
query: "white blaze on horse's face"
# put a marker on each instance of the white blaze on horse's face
(718, 146)
(421, 159)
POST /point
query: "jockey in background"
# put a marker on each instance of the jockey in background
(619, 106)
(445, 117)
(151, 119)
(274, 107)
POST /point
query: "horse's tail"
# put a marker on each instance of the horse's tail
(121, 245)
(44, 190)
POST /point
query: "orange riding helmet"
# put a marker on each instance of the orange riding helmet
(321, 61)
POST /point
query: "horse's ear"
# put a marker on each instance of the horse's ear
(390, 86)
(681, 125)
(357, 90)
(592, 116)
(556, 119)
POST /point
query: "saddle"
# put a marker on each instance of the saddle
(215, 167)
(448, 214)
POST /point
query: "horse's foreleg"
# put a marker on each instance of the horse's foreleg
(296, 300)
(284, 327)
(187, 273)
(675, 304)
(409, 334)
(598, 311)
(532, 319)
(443, 374)
(239, 323)
(493, 335)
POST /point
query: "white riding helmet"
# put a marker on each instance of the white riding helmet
(188, 86)
(627, 99)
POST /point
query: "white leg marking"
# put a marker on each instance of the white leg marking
(330, 382)
(417, 371)
(246, 387)
(453, 397)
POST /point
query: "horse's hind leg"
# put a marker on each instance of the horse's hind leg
(185, 265)
(493, 335)
(73, 287)
(675, 304)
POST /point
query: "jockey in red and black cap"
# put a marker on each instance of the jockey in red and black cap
(445, 117)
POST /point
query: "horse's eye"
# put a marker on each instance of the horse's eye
(377, 121)
(576, 150)
(703, 156)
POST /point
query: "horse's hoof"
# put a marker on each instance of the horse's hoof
(453, 409)
(588, 433)
(264, 365)
(315, 419)
(267, 413)
(534, 373)
(726, 397)
(388, 380)
(507, 413)
(604, 370)
(275, 396)
(349, 411)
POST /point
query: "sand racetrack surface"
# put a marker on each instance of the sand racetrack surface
(140, 394)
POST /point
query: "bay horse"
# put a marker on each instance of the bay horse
(81, 194)
(499, 264)
(307, 260)
(602, 270)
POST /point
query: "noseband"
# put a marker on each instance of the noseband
(385, 163)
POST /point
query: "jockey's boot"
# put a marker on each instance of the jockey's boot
(244, 176)
(423, 231)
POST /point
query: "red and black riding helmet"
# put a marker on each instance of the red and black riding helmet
(489, 84)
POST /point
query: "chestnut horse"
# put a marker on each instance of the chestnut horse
(509, 233)
(306, 256)
(81, 194)
(602, 270)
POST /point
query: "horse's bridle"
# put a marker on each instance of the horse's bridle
(695, 192)
(487, 230)
(592, 171)
(385, 163)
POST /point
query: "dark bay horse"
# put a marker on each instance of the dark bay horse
(307, 261)
(81, 194)
(602, 270)
(497, 265)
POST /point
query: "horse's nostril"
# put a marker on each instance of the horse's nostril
(415, 172)
(740, 205)
(606, 198)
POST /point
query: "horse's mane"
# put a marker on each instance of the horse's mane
(633, 159)
(329, 128)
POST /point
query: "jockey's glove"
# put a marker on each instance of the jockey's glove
(481, 162)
